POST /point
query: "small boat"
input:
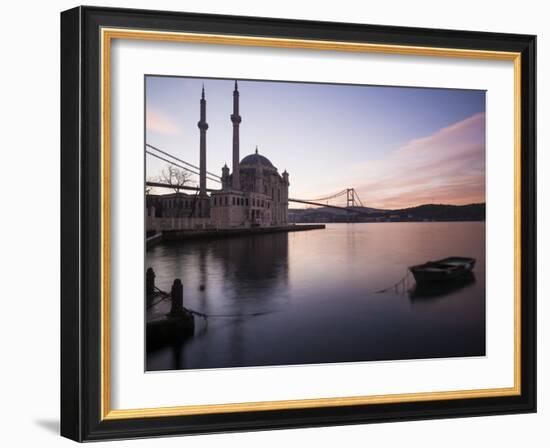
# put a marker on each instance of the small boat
(443, 270)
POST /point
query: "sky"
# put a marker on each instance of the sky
(397, 146)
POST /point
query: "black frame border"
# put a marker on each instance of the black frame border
(81, 223)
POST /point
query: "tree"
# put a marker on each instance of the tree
(175, 177)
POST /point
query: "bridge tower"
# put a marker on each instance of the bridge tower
(350, 197)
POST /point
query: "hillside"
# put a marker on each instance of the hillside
(427, 212)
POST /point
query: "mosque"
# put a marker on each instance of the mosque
(253, 194)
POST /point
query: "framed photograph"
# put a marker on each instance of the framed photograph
(271, 224)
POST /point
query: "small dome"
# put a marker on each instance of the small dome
(257, 159)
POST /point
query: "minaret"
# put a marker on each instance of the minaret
(284, 205)
(236, 120)
(203, 126)
(285, 177)
(225, 177)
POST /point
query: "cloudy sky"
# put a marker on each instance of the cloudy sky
(397, 146)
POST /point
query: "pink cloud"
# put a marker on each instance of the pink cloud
(156, 121)
(447, 166)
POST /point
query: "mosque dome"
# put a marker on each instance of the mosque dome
(257, 159)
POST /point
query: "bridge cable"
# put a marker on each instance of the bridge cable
(180, 160)
(179, 166)
(332, 196)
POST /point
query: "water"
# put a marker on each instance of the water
(311, 297)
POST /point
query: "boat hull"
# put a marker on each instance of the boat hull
(445, 270)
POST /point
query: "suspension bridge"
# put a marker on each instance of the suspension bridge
(346, 199)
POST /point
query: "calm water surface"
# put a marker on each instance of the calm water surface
(311, 297)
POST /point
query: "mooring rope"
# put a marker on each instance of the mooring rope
(395, 285)
(204, 315)
(165, 296)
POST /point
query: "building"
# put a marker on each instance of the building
(253, 194)
(176, 211)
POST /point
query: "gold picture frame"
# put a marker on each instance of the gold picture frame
(107, 30)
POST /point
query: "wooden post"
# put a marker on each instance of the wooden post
(150, 282)
(177, 298)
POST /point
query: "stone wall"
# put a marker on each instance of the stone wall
(161, 224)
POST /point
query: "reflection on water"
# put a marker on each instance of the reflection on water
(441, 289)
(310, 297)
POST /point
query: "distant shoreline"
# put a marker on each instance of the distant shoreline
(389, 222)
(421, 213)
